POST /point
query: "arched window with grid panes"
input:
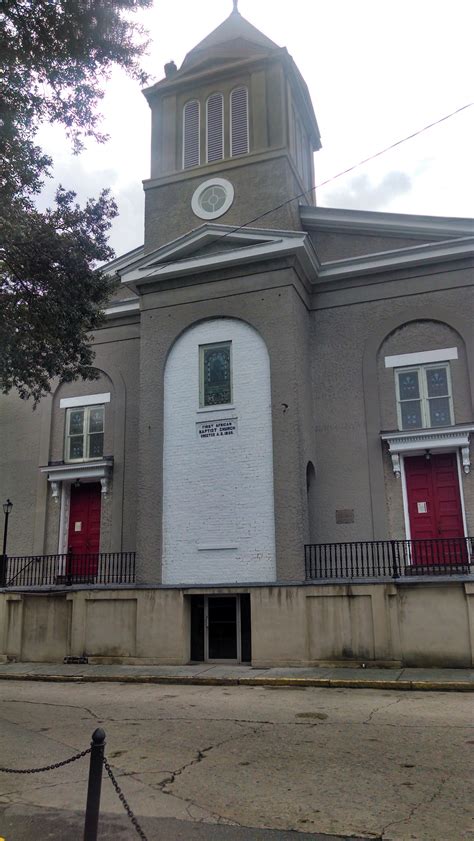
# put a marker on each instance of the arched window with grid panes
(191, 134)
(239, 122)
(215, 127)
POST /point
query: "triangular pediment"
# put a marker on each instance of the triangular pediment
(209, 239)
(206, 248)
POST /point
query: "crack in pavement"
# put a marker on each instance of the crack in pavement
(50, 704)
(201, 754)
(187, 801)
(414, 809)
(164, 785)
(382, 707)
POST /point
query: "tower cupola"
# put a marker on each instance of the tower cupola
(233, 135)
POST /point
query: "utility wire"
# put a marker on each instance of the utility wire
(235, 230)
(397, 143)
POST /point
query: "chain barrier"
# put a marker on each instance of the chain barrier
(123, 801)
(46, 767)
(118, 790)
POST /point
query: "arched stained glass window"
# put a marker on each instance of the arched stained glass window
(191, 134)
(215, 374)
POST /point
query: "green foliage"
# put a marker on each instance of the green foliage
(55, 54)
(51, 295)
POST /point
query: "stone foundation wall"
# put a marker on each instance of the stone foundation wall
(427, 624)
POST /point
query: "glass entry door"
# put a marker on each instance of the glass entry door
(222, 623)
(220, 628)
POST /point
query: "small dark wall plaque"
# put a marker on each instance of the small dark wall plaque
(345, 515)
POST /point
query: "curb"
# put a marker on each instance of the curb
(326, 683)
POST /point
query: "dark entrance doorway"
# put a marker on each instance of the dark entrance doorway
(220, 628)
(434, 508)
(84, 529)
(222, 618)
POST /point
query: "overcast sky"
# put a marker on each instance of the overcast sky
(377, 70)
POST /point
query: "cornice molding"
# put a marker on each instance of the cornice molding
(118, 308)
(100, 470)
(202, 73)
(375, 223)
(426, 440)
(183, 256)
(401, 258)
(206, 170)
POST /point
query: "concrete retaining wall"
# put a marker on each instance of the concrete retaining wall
(428, 624)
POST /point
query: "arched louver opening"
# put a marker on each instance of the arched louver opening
(239, 124)
(191, 134)
(215, 127)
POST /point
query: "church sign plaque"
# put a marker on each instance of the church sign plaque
(217, 429)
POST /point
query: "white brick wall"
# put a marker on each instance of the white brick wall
(218, 492)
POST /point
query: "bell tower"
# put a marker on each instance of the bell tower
(233, 136)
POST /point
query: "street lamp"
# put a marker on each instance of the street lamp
(7, 507)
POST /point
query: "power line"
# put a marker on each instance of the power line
(312, 189)
(397, 143)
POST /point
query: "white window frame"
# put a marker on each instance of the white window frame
(189, 102)
(84, 400)
(202, 349)
(231, 111)
(196, 199)
(85, 434)
(424, 399)
(423, 357)
(215, 160)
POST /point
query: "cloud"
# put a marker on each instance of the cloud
(127, 229)
(72, 175)
(362, 194)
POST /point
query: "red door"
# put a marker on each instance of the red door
(434, 508)
(84, 529)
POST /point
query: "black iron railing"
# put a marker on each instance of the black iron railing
(389, 558)
(68, 569)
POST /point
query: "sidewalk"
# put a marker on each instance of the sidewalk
(206, 674)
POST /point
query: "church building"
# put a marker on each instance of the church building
(273, 465)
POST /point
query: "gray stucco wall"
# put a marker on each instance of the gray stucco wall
(33, 438)
(259, 185)
(22, 430)
(419, 336)
(331, 397)
(270, 305)
(338, 246)
(262, 179)
(412, 337)
(357, 397)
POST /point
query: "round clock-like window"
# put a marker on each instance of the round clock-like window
(212, 198)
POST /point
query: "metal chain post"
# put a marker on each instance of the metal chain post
(94, 786)
(98, 762)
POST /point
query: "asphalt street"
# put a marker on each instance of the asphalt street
(23, 825)
(237, 763)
